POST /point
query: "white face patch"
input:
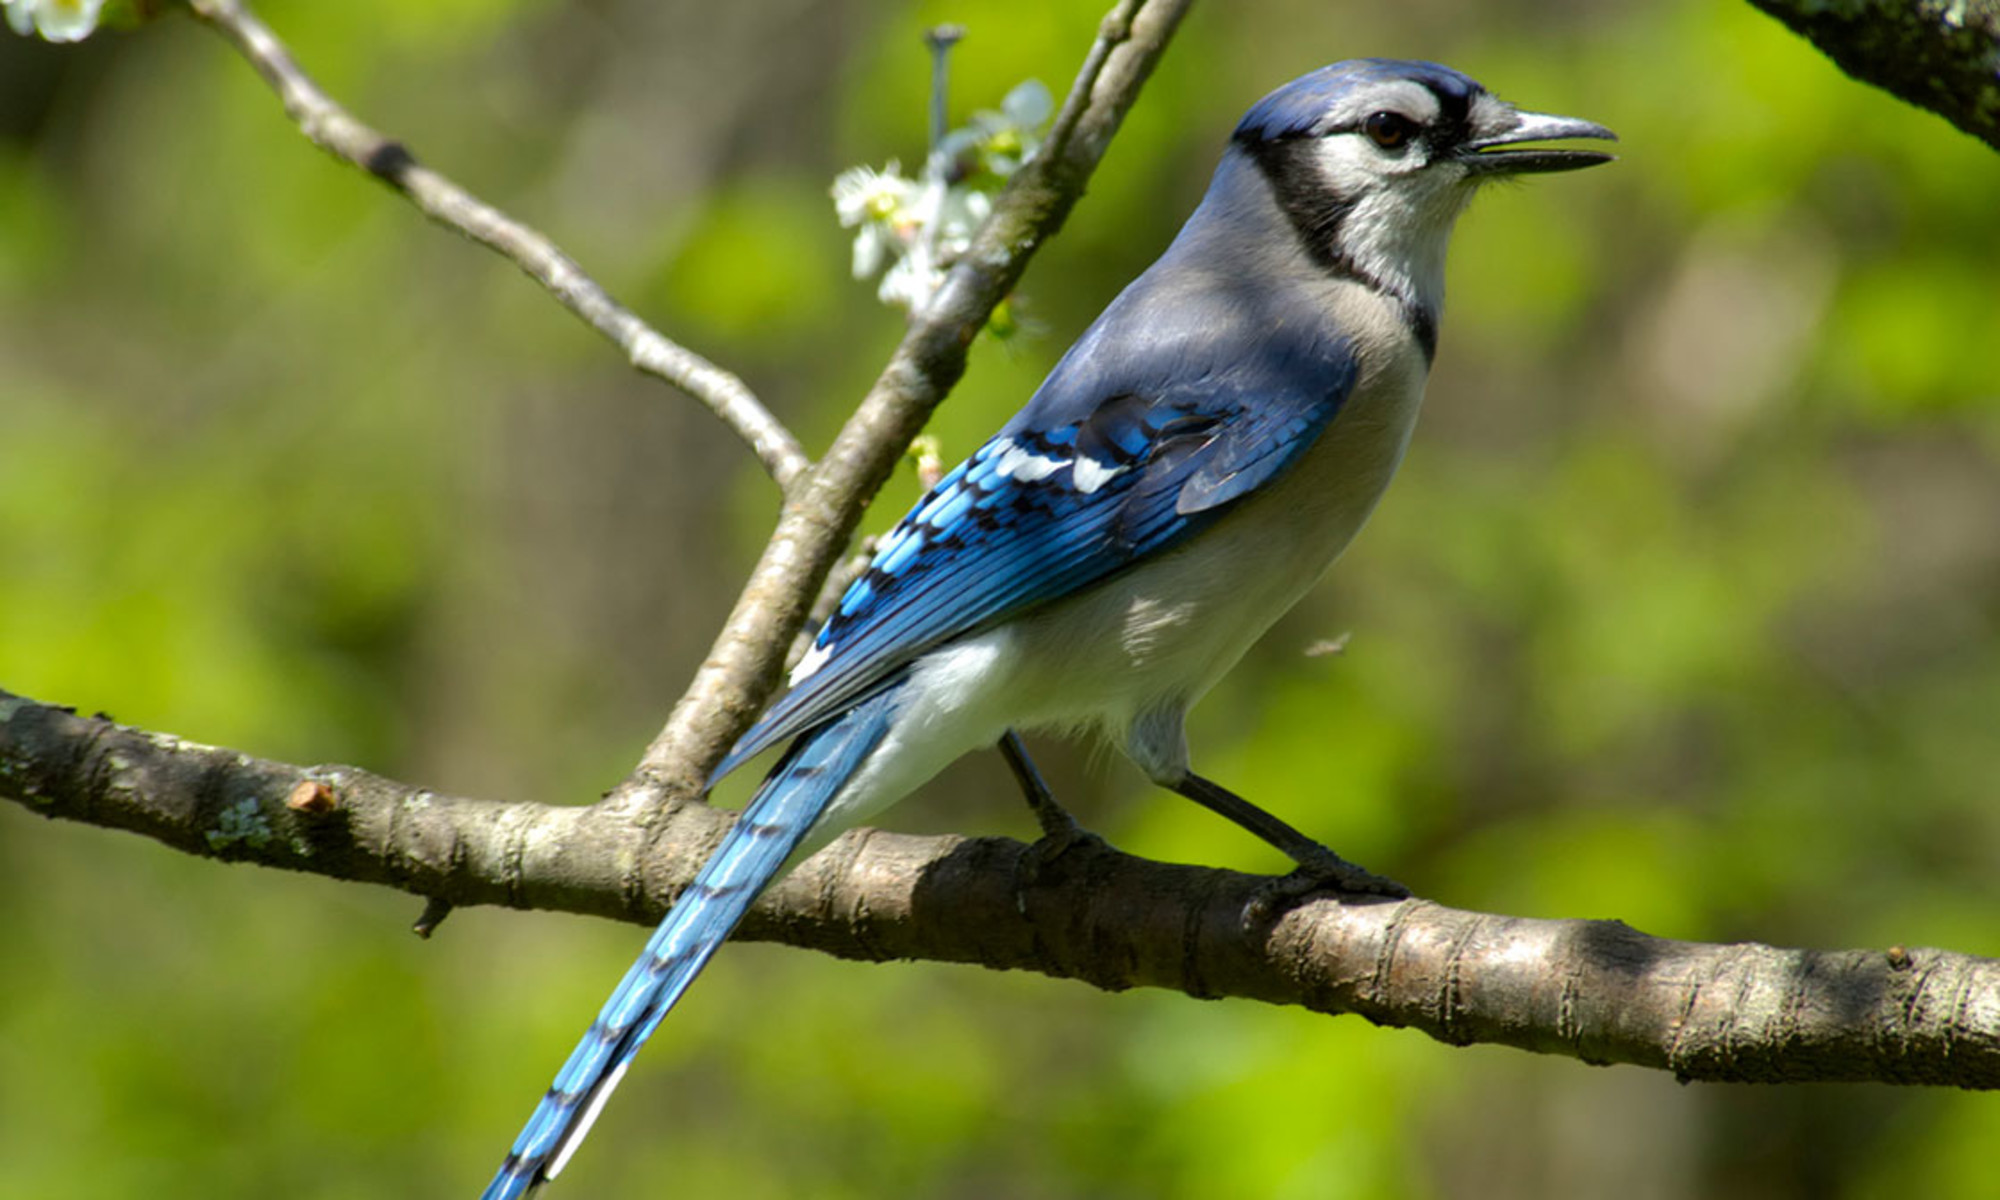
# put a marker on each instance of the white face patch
(1405, 97)
(1402, 211)
(1382, 210)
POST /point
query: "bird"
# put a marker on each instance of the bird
(1187, 471)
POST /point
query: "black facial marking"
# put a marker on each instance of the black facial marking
(1454, 120)
(1314, 210)
(1423, 322)
(1316, 213)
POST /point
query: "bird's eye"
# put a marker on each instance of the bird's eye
(1391, 131)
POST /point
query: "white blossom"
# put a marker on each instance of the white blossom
(54, 20)
(865, 194)
(918, 227)
(910, 283)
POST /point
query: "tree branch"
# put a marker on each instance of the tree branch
(1943, 55)
(1594, 990)
(336, 131)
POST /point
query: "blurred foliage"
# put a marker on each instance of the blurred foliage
(1686, 609)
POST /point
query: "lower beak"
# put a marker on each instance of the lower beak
(1495, 156)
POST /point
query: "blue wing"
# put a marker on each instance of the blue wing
(1116, 458)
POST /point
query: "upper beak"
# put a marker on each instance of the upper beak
(1481, 158)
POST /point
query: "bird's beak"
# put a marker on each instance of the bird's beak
(1489, 155)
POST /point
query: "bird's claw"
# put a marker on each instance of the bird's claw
(1056, 841)
(1318, 874)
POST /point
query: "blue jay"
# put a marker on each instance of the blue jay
(1191, 466)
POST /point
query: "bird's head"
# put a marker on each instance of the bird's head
(1372, 160)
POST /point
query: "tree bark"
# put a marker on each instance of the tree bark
(1598, 991)
(1943, 55)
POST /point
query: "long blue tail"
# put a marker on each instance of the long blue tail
(771, 827)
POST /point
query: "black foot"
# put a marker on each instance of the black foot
(1060, 832)
(1328, 872)
(1052, 817)
(1042, 854)
(1046, 849)
(1320, 869)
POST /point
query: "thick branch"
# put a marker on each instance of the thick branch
(335, 130)
(1943, 55)
(1595, 990)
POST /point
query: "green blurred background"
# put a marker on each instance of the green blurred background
(1686, 609)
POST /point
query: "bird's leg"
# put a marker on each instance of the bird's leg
(1318, 867)
(1060, 832)
(1051, 816)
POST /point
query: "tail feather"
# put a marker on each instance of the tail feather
(772, 826)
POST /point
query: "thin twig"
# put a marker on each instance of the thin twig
(1113, 30)
(337, 131)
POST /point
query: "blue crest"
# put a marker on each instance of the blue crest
(1299, 108)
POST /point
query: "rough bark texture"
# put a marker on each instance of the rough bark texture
(1943, 55)
(1595, 990)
